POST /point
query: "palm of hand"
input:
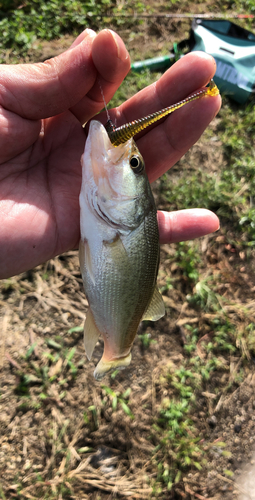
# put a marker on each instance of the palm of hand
(40, 191)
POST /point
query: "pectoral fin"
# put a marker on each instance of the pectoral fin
(91, 334)
(85, 259)
(117, 250)
(156, 307)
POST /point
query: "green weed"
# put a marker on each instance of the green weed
(76, 329)
(188, 260)
(179, 446)
(221, 339)
(53, 367)
(250, 337)
(146, 340)
(118, 399)
(204, 296)
(53, 344)
(224, 337)
(30, 351)
(2, 495)
(167, 286)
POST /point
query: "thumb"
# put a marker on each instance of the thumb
(41, 90)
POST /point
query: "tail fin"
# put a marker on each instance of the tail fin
(105, 367)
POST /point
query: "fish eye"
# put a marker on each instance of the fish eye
(137, 164)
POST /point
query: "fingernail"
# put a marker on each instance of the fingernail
(84, 35)
(89, 32)
(122, 52)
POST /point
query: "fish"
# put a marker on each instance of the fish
(119, 245)
(119, 248)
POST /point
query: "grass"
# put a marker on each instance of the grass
(179, 446)
(22, 25)
(217, 323)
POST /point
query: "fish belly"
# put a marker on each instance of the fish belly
(119, 279)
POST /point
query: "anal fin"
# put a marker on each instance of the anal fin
(91, 334)
(156, 307)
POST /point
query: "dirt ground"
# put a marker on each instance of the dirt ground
(60, 436)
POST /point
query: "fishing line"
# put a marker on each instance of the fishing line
(105, 105)
(188, 15)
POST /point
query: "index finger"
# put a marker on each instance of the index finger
(112, 62)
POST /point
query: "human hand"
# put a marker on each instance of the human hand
(42, 107)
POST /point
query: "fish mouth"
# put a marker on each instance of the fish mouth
(104, 155)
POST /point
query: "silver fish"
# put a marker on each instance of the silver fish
(119, 247)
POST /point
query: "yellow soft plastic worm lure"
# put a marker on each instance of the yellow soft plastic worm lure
(123, 133)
